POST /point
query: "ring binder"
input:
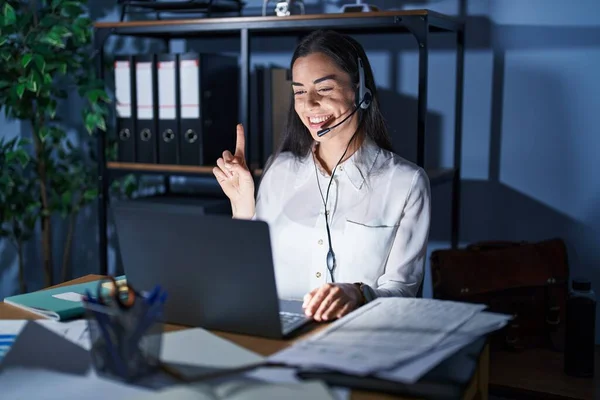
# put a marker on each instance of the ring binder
(168, 110)
(125, 107)
(145, 79)
(208, 106)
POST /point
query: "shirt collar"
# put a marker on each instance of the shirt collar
(356, 168)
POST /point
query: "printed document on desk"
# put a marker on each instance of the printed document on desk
(411, 371)
(380, 335)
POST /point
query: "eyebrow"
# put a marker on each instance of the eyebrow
(316, 80)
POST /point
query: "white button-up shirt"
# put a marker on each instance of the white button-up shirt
(379, 215)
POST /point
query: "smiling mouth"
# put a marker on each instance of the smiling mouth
(317, 122)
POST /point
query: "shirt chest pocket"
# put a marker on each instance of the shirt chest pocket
(369, 246)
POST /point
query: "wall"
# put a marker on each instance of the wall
(530, 124)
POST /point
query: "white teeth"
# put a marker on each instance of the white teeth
(317, 120)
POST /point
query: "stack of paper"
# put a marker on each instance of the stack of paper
(398, 339)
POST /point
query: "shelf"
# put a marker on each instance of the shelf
(383, 21)
(436, 176)
(186, 6)
(167, 169)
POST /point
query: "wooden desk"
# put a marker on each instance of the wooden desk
(538, 374)
(477, 387)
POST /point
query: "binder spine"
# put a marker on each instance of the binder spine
(125, 107)
(191, 137)
(220, 105)
(168, 132)
(147, 109)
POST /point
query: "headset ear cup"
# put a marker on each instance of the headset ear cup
(367, 99)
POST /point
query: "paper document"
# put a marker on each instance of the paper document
(380, 335)
(200, 348)
(413, 370)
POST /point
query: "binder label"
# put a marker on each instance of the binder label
(123, 89)
(189, 87)
(166, 90)
(144, 90)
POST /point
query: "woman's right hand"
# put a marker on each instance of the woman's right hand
(235, 178)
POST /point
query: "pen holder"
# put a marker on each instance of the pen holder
(125, 343)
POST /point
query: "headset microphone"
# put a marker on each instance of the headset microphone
(326, 130)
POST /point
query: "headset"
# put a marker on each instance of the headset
(362, 100)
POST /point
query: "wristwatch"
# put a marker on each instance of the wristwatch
(365, 292)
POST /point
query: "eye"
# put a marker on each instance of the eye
(327, 89)
(298, 92)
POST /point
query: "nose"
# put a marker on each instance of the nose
(312, 100)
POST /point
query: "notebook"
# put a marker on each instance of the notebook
(60, 304)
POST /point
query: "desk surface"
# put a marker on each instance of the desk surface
(538, 373)
(477, 387)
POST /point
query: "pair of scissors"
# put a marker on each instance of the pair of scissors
(109, 293)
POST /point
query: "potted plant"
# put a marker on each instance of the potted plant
(46, 55)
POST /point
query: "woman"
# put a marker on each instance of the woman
(373, 242)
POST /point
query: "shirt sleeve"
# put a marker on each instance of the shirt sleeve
(404, 270)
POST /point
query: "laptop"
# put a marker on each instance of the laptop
(217, 271)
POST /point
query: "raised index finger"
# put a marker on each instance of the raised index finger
(240, 143)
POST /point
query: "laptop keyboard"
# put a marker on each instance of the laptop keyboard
(288, 319)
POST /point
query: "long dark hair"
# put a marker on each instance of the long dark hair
(344, 51)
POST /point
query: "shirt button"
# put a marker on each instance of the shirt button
(318, 274)
(320, 241)
(341, 168)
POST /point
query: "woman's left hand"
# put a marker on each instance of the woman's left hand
(332, 300)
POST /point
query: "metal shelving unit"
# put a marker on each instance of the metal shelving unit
(419, 23)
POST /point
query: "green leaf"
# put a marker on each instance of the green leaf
(71, 9)
(22, 156)
(95, 94)
(26, 60)
(101, 123)
(40, 63)
(32, 84)
(20, 89)
(47, 79)
(66, 198)
(51, 109)
(37, 78)
(52, 39)
(43, 134)
(90, 122)
(90, 194)
(10, 16)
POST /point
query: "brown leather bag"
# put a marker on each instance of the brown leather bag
(526, 280)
